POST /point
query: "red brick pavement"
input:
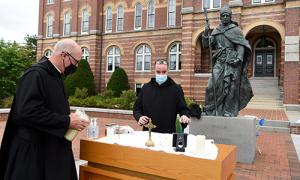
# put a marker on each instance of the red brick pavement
(268, 114)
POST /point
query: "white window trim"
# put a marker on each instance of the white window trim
(46, 51)
(82, 18)
(143, 64)
(64, 25)
(108, 31)
(117, 21)
(85, 54)
(177, 53)
(168, 15)
(140, 28)
(47, 26)
(148, 16)
(262, 2)
(211, 4)
(113, 59)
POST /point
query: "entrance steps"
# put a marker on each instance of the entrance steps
(267, 94)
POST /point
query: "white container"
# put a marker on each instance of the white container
(72, 133)
(200, 144)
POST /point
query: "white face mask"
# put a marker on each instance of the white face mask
(161, 78)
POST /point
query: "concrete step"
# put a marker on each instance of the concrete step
(263, 106)
(274, 129)
(276, 123)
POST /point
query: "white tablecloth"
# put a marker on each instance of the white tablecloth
(163, 142)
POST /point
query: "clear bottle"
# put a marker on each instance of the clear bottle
(95, 128)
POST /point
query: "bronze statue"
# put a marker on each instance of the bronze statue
(228, 90)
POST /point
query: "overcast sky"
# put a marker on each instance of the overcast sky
(18, 18)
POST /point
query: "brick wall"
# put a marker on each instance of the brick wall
(161, 37)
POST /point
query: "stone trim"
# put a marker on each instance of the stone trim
(114, 111)
(291, 48)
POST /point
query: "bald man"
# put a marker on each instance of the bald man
(33, 145)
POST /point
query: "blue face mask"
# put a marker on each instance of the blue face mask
(161, 78)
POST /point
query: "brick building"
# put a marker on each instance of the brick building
(132, 34)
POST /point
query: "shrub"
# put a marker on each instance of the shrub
(82, 78)
(6, 102)
(118, 82)
(81, 93)
(107, 94)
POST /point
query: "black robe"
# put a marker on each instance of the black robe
(33, 145)
(161, 103)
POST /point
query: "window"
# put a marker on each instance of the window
(109, 19)
(113, 59)
(120, 18)
(67, 24)
(175, 57)
(261, 1)
(85, 54)
(49, 32)
(50, 1)
(138, 17)
(211, 4)
(172, 13)
(138, 88)
(48, 53)
(143, 58)
(85, 21)
(151, 14)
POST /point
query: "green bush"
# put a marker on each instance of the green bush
(125, 101)
(6, 102)
(107, 94)
(81, 93)
(82, 78)
(118, 82)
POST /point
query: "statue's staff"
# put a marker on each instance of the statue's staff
(210, 58)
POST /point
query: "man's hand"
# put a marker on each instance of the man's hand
(78, 123)
(184, 119)
(143, 120)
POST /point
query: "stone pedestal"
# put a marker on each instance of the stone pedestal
(238, 131)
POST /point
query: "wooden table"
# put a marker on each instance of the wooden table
(111, 161)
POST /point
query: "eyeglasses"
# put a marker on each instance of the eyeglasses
(161, 62)
(77, 61)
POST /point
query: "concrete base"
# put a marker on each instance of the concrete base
(238, 131)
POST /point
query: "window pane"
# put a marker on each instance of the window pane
(117, 51)
(256, 1)
(147, 62)
(117, 62)
(139, 62)
(172, 19)
(174, 48)
(110, 64)
(138, 15)
(179, 56)
(206, 4)
(140, 50)
(216, 3)
(147, 49)
(172, 62)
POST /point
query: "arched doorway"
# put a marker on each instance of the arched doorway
(265, 57)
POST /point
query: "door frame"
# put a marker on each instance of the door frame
(254, 55)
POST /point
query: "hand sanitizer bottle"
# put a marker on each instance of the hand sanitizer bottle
(96, 128)
(90, 130)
